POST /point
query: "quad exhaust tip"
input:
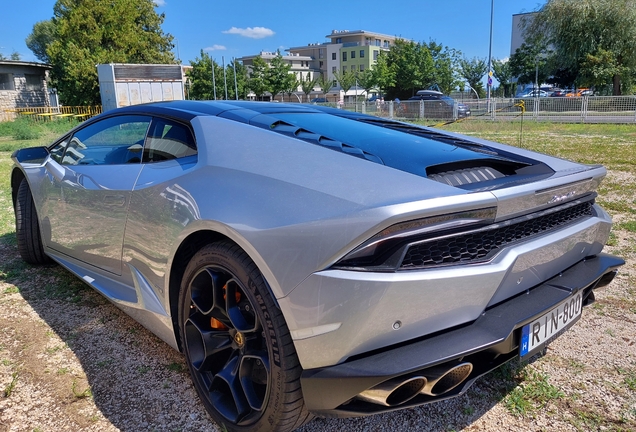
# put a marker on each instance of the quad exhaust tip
(434, 381)
(442, 379)
(395, 391)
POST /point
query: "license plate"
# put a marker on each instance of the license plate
(549, 326)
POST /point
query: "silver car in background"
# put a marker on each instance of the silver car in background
(313, 261)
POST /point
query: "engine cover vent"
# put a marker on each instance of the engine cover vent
(467, 176)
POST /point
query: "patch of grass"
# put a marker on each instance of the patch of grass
(630, 378)
(533, 393)
(54, 349)
(628, 226)
(143, 369)
(81, 394)
(176, 367)
(63, 371)
(576, 366)
(104, 363)
(11, 386)
(12, 290)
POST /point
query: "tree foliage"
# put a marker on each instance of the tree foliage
(503, 73)
(307, 85)
(41, 38)
(366, 80)
(91, 32)
(445, 62)
(277, 75)
(593, 38)
(201, 79)
(258, 81)
(533, 60)
(325, 84)
(345, 79)
(473, 71)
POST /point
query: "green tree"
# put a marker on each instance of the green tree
(384, 73)
(445, 62)
(201, 78)
(40, 39)
(258, 81)
(413, 65)
(291, 85)
(241, 80)
(532, 61)
(308, 85)
(91, 32)
(595, 38)
(366, 80)
(15, 55)
(278, 75)
(473, 71)
(345, 79)
(503, 73)
(325, 84)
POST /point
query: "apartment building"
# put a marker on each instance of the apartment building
(345, 50)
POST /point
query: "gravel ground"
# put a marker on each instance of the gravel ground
(70, 361)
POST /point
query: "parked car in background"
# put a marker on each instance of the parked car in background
(580, 92)
(438, 105)
(532, 94)
(315, 261)
(318, 100)
(557, 92)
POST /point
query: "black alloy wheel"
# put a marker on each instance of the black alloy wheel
(232, 342)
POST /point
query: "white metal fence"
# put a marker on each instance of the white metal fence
(587, 109)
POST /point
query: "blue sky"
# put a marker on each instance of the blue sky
(238, 28)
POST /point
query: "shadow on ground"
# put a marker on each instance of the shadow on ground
(136, 381)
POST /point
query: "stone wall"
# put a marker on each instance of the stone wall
(23, 98)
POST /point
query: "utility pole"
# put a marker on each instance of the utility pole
(489, 85)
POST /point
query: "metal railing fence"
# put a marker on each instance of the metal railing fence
(587, 109)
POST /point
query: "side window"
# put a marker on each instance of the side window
(57, 152)
(168, 140)
(115, 140)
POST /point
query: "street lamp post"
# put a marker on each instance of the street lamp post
(489, 82)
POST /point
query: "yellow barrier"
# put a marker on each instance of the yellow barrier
(48, 113)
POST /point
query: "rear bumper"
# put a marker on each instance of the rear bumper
(488, 342)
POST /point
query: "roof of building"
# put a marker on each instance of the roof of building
(23, 63)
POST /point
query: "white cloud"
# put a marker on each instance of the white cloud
(215, 48)
(251, 32)
(159, 2)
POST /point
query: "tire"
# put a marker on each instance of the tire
(27, 227)
(241, 357)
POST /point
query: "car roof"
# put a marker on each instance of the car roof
(429, 93)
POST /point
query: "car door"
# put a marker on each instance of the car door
(91, 175)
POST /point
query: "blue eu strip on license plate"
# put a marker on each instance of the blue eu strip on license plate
(550, 325)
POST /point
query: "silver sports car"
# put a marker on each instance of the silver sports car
(313, 261)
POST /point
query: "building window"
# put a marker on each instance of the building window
(361, 68)
(320, 65)
(386, 44)
(377, 42)
(333, 69)
(353, 54)
(344, 56)
(321, 53)
(344, 69)
(335, 83)
(333, 56)
(6, 81)
(338, 40)
(361, 53)
(33, 82)
(375, 55)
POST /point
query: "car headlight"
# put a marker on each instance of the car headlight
(385, 250)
